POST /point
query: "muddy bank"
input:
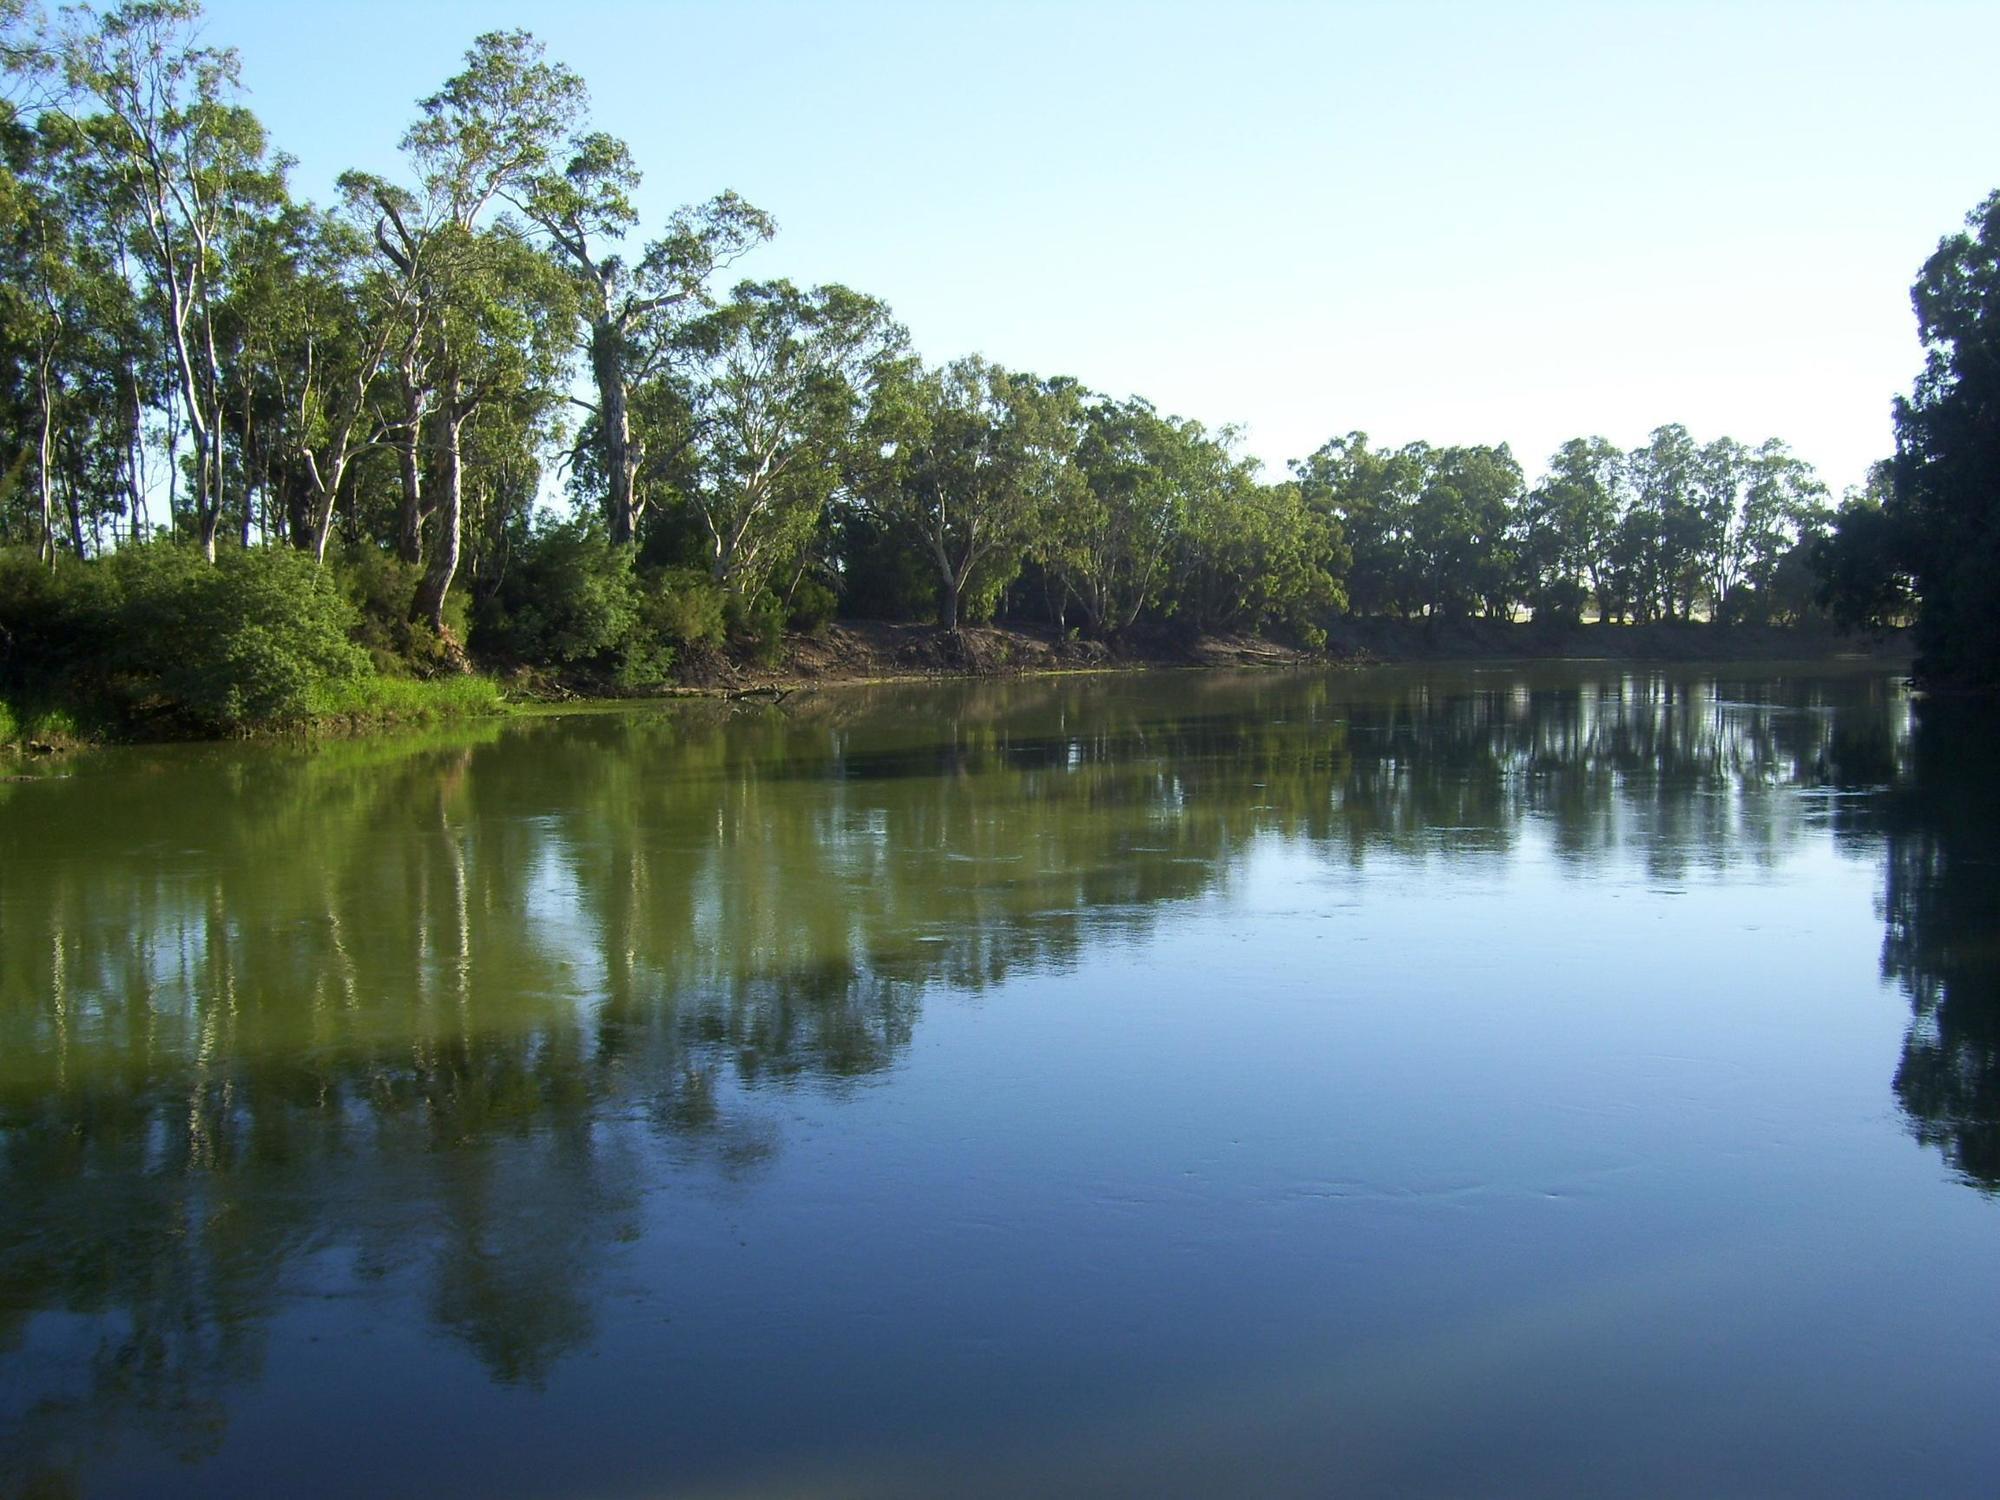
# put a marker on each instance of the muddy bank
(863, 651)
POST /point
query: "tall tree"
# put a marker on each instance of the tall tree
(1371, 494)
(1112, 543)
(1947, 466)
(629, 310)
(1255, 555)
(466, 289)
(970, 461)
(1569, 521)
(187, 172)
(776, 379)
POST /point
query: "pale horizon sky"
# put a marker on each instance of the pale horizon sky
(1457, 223)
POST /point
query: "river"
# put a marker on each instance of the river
(1581, 1079)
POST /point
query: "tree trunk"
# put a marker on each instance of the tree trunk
(614, 432)
(319, 520)
(444, 563)
(48, 537)
(208, 518)
(948, 601)
(75, 520)
(410, 522)
(249, 469)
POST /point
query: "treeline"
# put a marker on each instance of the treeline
(1926, 536)
(192, 360)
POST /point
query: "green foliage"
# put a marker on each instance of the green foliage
(778, 407)
(812, 607)
(373, 700)
(155, 635)
(1945, 509)
(756, 625)
(1256, 556)
(156, 640)
(380, 586)
(242, 643)
(571, 599)
(883, 574)
(969, 462)
(1559, 601)
(688, 608)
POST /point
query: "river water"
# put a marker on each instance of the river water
(1563, 1080)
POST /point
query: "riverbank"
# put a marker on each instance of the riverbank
(874, 651)
(865, 651)
(364, 705)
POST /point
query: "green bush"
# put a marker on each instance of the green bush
(757, 625)
(381, 587)
(688, 608)
(243, 643)
(571, 599)
(812, 608)
(54, 622)
(156, 637)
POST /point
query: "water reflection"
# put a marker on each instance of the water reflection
(276, 1024)
(1941, 914)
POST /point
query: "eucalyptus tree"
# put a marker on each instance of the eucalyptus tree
(1862, 561)
(775, 381)
(1568, 523)
(1660, 536)
(186, 172)
(1787, 519)
(71, 326)
(1946, 501)
(1253, 554)
(478, 306)
(1112, 543)
(501, 338)
(630, 310)
(972, 462)
(1757, 506)
(1371, 494)
(326, 320)
(1459, 534)
(38, 307)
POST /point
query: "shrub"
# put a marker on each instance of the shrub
(571, 599)
(812, 607)
(757, 625)
(687, 607)
(381, 586)
(156, 633)
(243, 643)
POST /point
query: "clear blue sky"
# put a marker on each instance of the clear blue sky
(1460, 223)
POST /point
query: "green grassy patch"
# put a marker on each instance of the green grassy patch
(374, 701)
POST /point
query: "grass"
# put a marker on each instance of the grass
(20, 725)
(361, 704)
(373, 702)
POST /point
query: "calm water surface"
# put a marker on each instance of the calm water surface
(1543, 1081)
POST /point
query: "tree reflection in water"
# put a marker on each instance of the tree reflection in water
(1941, 914)
(438, 1010)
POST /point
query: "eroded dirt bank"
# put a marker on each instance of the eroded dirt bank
(861, 651)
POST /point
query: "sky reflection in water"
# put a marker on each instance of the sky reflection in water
(1410, 1081)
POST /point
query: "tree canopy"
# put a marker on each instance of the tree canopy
(489, 367)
